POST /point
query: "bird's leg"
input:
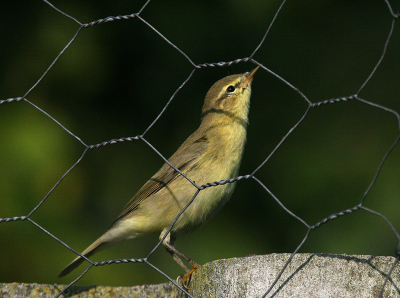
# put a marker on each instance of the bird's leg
(177, 255)
(176, 258)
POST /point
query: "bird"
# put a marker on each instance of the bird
(212, 153)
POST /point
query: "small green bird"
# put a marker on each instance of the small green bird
(212, 153)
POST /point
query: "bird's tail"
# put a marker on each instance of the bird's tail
(96, 246)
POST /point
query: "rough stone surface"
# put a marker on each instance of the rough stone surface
(307, 275)
(20, 290)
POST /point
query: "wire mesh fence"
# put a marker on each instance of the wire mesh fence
(158, 93)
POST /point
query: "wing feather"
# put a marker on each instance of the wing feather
(183, 159)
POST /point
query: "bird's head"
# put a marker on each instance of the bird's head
(229, 96)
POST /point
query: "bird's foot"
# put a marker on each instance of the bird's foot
(184, 279)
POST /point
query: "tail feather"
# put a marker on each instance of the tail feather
(93, 248)
(119, 231)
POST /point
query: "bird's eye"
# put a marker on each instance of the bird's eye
(230, 89)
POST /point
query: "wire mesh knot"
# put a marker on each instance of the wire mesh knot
(119, 261)
(15, 218)
(223, 64)
(332, 100)
(114, 141)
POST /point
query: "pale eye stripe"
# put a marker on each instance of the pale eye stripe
(223, 91)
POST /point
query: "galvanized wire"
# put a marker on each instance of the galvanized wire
(140, 138)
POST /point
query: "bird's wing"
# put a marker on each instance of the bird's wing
(183, 159)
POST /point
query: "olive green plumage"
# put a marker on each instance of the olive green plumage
(212, 153)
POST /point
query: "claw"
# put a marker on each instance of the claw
(187, 275)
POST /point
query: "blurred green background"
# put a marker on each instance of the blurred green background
(116, 77)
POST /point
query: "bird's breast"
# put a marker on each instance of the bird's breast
(221, 162)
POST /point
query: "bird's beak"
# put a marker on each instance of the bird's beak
(249, 77)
